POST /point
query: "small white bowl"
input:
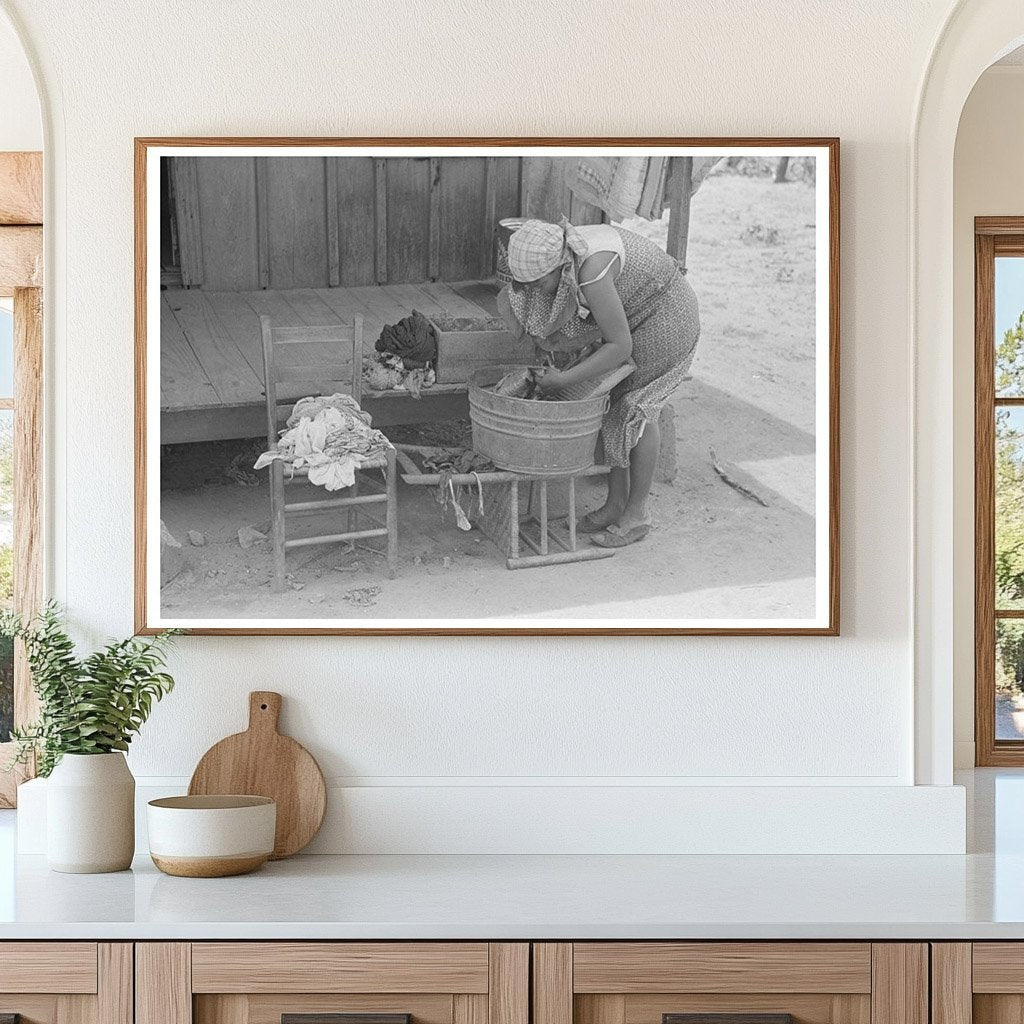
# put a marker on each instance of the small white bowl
(211, 836)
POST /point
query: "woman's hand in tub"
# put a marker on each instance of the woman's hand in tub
(549, 378)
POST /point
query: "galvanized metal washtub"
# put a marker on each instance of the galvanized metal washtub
(555, 438)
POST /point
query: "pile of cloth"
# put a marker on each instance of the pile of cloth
(519, 383)
(406, 353)
(388, 373)
(412, 339)
(330, 437)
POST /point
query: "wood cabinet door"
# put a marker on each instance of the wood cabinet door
(730, 983)
(332, 983)
(66, 982)
(978, 983)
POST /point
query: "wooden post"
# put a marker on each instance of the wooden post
(543, 517)
(434, 221)
(680, 189)
(331, 205)
(380, 213)
(190, 236)
(513, 520)
(391, 514)
(487, 247)
(262, 221)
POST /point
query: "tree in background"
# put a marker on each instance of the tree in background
(1009, 511)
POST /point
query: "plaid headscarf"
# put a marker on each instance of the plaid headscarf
(535, 250)
(538, 247)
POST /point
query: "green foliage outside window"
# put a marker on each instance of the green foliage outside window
(1009, 510)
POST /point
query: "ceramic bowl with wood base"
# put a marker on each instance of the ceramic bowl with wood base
(211, 836)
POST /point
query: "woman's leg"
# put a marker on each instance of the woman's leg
(643, 460)
(618, 491)
(614, 504)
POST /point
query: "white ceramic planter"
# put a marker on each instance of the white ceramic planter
(90, 814)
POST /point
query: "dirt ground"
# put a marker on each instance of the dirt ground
(713, 553)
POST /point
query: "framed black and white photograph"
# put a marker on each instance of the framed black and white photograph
(487, 386)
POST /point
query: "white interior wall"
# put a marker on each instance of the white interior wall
(21, 126)
(987, 182)
(429, 716)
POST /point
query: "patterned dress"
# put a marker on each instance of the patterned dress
(664, 321)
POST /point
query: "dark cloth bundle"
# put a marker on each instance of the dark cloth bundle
(411, 339)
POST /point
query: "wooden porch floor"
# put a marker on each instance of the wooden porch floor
(211, 363)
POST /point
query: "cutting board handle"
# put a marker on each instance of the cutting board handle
(264, 710)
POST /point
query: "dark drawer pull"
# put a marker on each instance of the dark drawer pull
(727, 1018)
(339, 1018)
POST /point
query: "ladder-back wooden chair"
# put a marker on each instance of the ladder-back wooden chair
(302, 361)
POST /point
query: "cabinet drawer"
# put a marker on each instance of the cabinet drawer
(332, 983)
(634, 967)
(340, 967)
(730, 983)
(64, 967)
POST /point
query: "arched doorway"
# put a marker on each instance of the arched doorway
(977, 33)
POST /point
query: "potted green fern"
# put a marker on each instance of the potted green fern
(90, 708)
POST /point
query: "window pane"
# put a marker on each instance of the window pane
(1009, 324)
(1009, 539)
(1009, 679)
(6, 567)
(6, 353)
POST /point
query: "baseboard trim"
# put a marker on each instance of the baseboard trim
(716, 820)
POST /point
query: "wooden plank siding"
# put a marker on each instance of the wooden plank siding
(357, 226)
(297, 221)
(408, 219)
(226, 192)
(247, 222)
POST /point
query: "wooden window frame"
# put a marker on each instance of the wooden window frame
(993, 237)
(21, 278)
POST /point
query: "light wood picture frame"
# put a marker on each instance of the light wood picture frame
(243, 245)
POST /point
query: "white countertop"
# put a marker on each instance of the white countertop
(978, 896)
(516, 897)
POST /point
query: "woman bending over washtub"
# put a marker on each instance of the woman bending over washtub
(618, 293)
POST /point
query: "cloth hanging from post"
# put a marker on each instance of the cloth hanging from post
(627, 186)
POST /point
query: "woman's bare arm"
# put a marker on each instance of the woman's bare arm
(604, 303)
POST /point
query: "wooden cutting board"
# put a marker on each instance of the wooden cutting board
(262, 762)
